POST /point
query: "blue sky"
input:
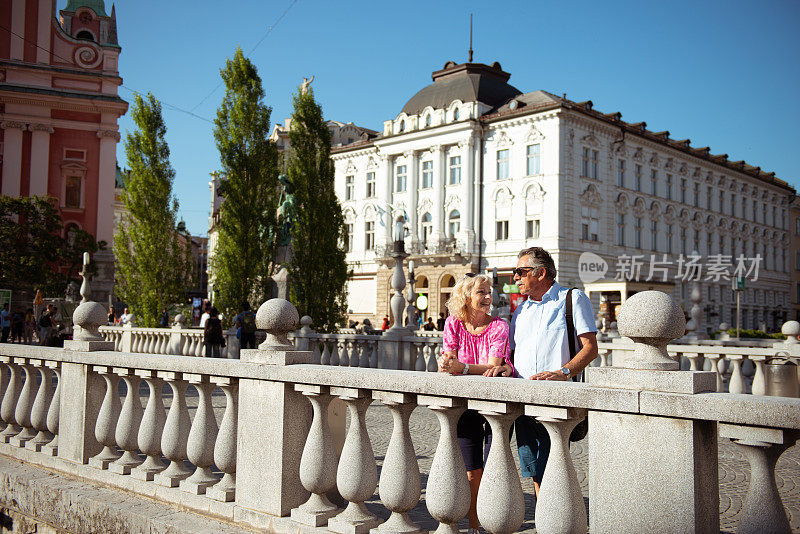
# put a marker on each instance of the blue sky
(724, 74)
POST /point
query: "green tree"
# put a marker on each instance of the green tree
(36, 253)
(153, 260)
(242, 262)
(317, 270)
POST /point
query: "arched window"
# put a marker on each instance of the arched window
(453, 224)
(456, 114)
(427, 227)
(85, 36)
(427, 120)
(402, 126)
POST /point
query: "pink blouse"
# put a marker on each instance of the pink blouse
(476, 349)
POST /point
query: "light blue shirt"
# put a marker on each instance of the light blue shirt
(538, 332)
(4, 322)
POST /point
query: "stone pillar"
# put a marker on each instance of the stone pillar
(413, 188)
(439, 187)
(386, 165)
(270, 483)
(468, 181)
(12, 143)
(106, 183)
(649, 473)
(40, 157)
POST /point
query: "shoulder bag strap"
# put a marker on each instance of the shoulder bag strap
(570, 325)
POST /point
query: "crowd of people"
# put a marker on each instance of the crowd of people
(26, 328)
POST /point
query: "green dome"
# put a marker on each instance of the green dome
(98, 6)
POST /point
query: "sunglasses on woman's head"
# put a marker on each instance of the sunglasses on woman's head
(469, 275)
(521, 271)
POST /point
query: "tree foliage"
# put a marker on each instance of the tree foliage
(153, 260)
(317, 270)
(242, 261)
(36, 252)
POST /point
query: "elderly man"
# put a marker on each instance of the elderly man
(538, 337)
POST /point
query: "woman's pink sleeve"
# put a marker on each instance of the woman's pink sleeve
(450, 336)
(498, 341)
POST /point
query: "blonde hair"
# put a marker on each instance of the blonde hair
(458, 303)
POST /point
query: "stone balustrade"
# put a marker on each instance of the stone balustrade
(173, 341)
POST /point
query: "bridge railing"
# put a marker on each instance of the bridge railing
(653, 436)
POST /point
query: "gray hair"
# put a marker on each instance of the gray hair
(539, 258)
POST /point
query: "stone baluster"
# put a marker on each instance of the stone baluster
(344, 352)
(136, 341)
(419, 361)
(334, 352)
(357, 475)
(736, 383)
(357, 347)
(106, 425)
(430, 360)
(694, 360)
(160, 345)
(54, 412)
(151, 428)
(605, 355)
(762, 510)
(225, 446)
(559, 507)
(190, 345)
(447, 495)
(760, 377)
(203, 434)
(4, 372)
(714, 360)
(149, 337)
(373, 354)
(41, 405)
(22, 413)
(130, 418)
(316, 357)
(399, 487)
(10, 397)
(199, 349)
(325, 357)
(318, 462)
(500, 474)
(176, 433)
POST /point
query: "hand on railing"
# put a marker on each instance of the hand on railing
(499, 370)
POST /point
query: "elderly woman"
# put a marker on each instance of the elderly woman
(474, 343)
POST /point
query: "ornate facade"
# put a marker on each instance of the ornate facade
(478, 170)
(58, 113)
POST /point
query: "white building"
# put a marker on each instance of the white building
(480, 170)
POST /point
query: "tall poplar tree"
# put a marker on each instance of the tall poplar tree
(153, 260)
(317, 270)
(242, 261)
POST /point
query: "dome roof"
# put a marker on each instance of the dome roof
(468, 82)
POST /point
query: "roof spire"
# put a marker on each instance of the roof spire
(469, 60)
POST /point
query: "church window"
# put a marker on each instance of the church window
(455, 170)
(72, 192)
(502, 164)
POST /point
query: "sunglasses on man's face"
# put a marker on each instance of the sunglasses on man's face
(521, 271)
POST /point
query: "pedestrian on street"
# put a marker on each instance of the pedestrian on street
(245, 324)
(30, 326)
(5, 323)
(212, 334)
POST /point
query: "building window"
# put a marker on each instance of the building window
(668, 188)
(402, 126)
(774, 216)
(669, 239)
(593, 168)
(764, 213)
(722, 202)
(348, 187)
(453, 224)
(370, 185)
(532, 229)
(653, 182)
(534, 160)
(709, 198)
(683, 190)
(427, 174)
(427, 227)
(653, 236)
(400, 178)
(683, 241)
(455, 170)
(637, 232)
(621, 173)
(621, 229)
(585, 162)
(696, 195)
(797, 226)
(589, 163)
(501, 230)
(72, 192)
(710, 243)
(733, 205)
(369, 235)
(456, 114)
(348, 244)
(589, 225)
(637, 177)
(502, 164)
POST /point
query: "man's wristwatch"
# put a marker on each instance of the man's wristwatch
(465, 370)
(566, 371)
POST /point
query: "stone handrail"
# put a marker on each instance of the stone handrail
(173, 341)
(78, 426)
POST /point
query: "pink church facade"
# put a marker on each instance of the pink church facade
(59, 107)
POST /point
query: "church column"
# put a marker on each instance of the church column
(413, 185)
(18, 29)
(40, 158)
(386, 171)
(43, 31)
(440, 183)
(12, 155)
(106, 183)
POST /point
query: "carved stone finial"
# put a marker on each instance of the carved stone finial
(791, 329)
(278, 317)
(85, 291)
(651, 319)
(88, 316)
